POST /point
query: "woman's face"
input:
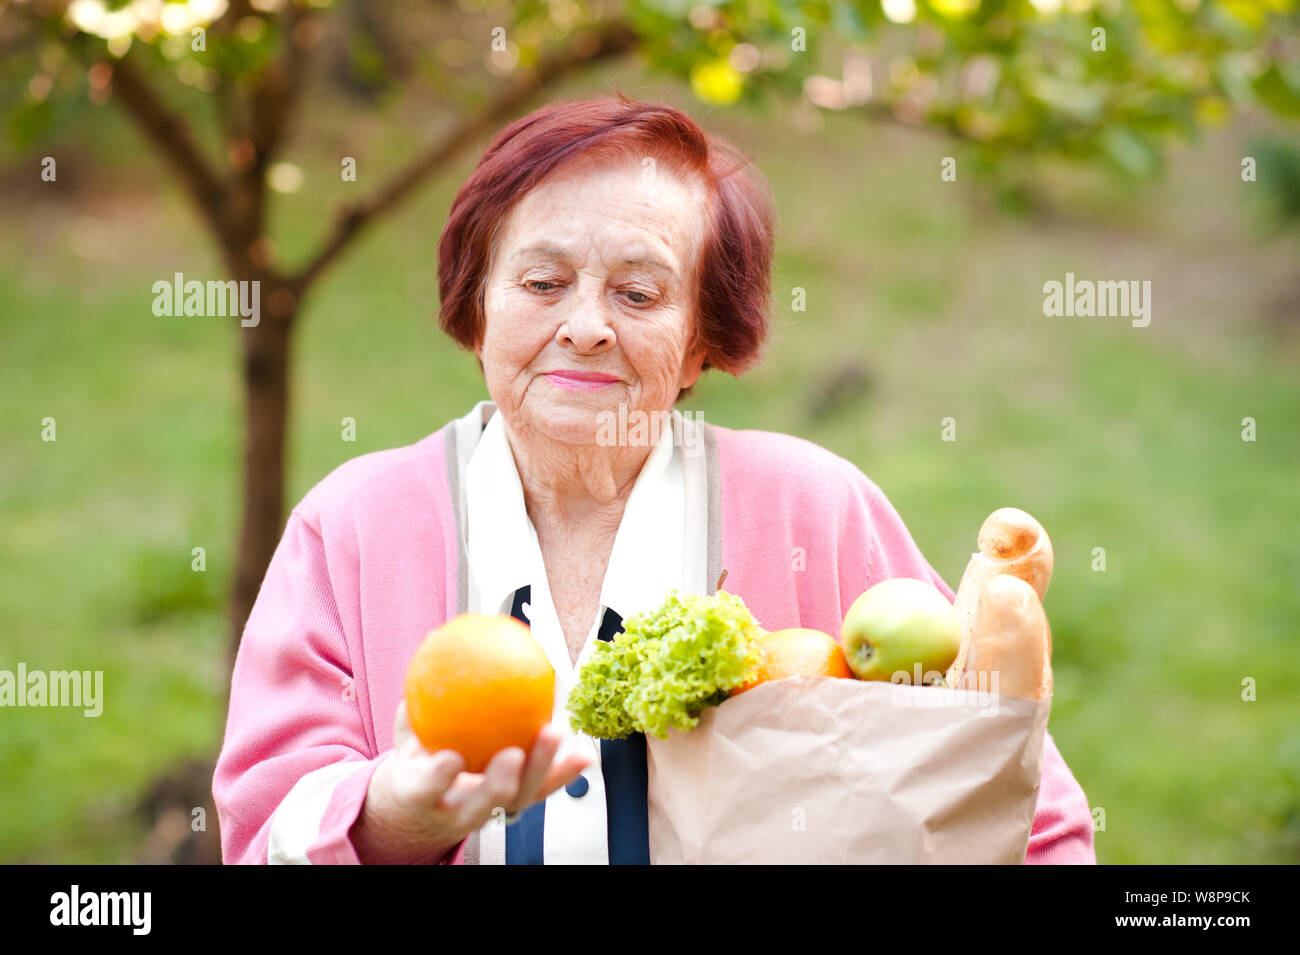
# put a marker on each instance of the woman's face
(589, 303)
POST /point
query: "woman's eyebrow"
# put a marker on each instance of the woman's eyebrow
(550, 250)
(541, 250)
(649, 261)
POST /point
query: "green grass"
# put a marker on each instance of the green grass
(1114, 437)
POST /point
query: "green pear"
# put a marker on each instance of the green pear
(901, 625)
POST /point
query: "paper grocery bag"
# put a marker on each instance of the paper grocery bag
(826, 770)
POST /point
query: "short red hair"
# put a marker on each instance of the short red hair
(735, 257)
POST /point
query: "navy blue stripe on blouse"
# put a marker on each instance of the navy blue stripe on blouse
(524, 835)
(623, 766)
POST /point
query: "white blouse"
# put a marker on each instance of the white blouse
(649, 558)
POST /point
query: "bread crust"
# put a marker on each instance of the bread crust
(1008, 532)
(1012, 542)
(1012, 650)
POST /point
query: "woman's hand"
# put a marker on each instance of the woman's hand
(421, 804)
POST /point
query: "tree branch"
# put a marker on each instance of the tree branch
(611, 40)
(276, 90)
(172, 139)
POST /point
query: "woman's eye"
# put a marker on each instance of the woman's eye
(537, 285)
(637, 298)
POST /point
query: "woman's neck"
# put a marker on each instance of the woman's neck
(581, 484)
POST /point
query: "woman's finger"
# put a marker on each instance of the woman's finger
(401, 724)
(564, 771)
(437, 773)
(498, 786)
(539, 761)
(417, 784)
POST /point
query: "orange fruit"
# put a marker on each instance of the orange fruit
(798, 652)
(478, 684)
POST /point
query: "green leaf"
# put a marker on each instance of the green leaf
(1131, 152)
(1077, 102)
(1278, 90)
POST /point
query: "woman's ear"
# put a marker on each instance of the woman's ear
(692, 367)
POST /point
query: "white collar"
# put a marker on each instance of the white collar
(646, 560)
(504, 552)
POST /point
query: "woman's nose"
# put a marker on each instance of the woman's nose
(586, 327)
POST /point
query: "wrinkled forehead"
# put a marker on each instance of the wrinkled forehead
(622, 200)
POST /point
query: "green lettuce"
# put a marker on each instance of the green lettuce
(665, 667)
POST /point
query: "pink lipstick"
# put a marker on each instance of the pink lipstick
(580, 380)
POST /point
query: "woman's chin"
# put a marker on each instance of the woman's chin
(573, 418)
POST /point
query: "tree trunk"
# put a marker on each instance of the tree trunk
(265, 370)
(265, 365)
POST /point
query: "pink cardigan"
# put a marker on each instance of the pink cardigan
(369, 562)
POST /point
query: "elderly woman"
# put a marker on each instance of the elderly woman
(601, 256)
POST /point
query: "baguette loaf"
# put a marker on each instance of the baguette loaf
(1010, 542)
(1013, 643)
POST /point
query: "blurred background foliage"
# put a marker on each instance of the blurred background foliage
(923, 302)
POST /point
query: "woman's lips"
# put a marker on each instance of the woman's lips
(580, 380)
